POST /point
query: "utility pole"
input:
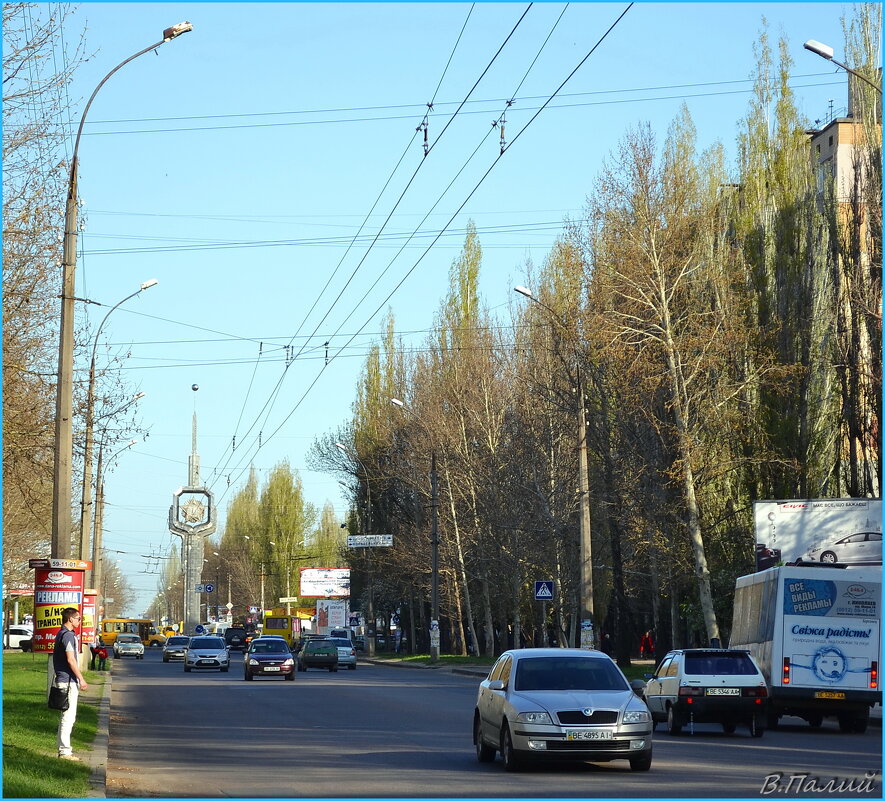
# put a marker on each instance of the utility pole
(588, 635)
(262, 595)
(434, 562)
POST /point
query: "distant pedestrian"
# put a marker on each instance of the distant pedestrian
(102, 654)
(646, 646)
(67, 677)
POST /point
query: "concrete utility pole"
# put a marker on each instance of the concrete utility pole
(192, 517)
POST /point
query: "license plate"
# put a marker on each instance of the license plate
(207, 661)
(830, 695)
(271, 668)
(588, 735)
(723, 691)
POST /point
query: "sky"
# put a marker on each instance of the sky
(267, 170)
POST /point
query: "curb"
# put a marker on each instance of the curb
(97, 758)
(466, 670)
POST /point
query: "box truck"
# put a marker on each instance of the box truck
(816, 634)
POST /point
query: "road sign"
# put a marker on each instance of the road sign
(199, 588)
(370, 541)
(199, 628)
(208, 588)
(543, 590)
(229, 606)
(293, 599)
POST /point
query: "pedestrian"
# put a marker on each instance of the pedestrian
(646, 646)
(67, 677)
(102, 654)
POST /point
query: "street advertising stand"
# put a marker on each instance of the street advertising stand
(89, 622)
(58, 583)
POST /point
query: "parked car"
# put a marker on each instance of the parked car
(175, 647)
(359, 643)
(862, 548)
(128, 645)
(346, 652)
(766, 557)
(18, 637)
(708, 685)
(558, 704)
(235, 638)
(206, 653)
(268, 656)
(319, 653)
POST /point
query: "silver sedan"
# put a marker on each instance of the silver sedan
(560, 703)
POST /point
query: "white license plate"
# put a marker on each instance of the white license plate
(588, 735)
(271, 668)
(723, 691)
(207, 661)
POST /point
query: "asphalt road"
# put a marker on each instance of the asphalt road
(380, 731)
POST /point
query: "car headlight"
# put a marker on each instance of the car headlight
(534, 717)
(253, 661)
(637, 716)
(289, 661)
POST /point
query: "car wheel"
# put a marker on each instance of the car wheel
(165, 658)
(641, 763)
(351, 667)
(512, 762)
(772, 721)
(187, 669)
(674, 725)
(225, 669)
(247, 676)
(289, 677)
(484, 753)
(728, 728)
(828, 557)
(816, 721)
(155, 644)
(333, 669)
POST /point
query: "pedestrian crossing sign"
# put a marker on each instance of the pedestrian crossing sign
(543, 590)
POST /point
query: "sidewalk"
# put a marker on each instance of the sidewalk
(97, 758)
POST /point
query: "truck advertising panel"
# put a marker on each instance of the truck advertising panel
(831, 632)
(835, 531)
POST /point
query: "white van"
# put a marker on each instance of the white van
(816, 634)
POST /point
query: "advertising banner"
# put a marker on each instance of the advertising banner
(331, 614)
(54, 589)
(829, 530)
(323, 582)
(88, 621)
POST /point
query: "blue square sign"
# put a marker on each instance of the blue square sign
(543, 590)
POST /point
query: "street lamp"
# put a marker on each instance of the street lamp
(86, 501)
(64, 396)
(99, 517)
(434, 550)
(367, 525)
(827, 52)
(586, 544)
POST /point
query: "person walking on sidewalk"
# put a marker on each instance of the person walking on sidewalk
(68, 676)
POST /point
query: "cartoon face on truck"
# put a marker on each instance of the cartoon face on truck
(829, 664)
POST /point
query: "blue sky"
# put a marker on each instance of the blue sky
(237, 165)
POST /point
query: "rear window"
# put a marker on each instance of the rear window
(735, 663)
(321, 646)
(568, 673)
(230, 633)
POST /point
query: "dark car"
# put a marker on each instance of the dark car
(268, 656)
(235, 638)
(766, 557)
(318, 654)
(175, 647)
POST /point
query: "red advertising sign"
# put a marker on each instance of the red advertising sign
(88, 622)
(54, 590)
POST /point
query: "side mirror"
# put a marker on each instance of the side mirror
(497, 684)
(648, 675)
(638, 687)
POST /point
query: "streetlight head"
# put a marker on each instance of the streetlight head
(397, 402)
(824, 51)
(149, 283)
(523, 291)
(176, 30)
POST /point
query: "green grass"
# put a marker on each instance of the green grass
(30, 766)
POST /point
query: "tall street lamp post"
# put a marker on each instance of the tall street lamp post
(64, 396)
(434, 549)
(86, 501)
(367, 527)
(827, 52)
(586, 546)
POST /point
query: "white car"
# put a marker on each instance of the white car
(15, 635)
(861, 548)
(206, 652)
(560, 704)
(346, 652)
(128, 645)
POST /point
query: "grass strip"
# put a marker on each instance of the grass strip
(31, 768)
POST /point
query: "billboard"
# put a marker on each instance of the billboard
(54, 589)
(325, 582)
(331, 614)
(838, 531)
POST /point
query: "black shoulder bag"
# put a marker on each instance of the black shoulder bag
(59, 698)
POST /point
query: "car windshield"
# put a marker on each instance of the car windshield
(728, 664)
(207, 642)
(127, 638)
(269, 647)
(568, 673)
(178, 641)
